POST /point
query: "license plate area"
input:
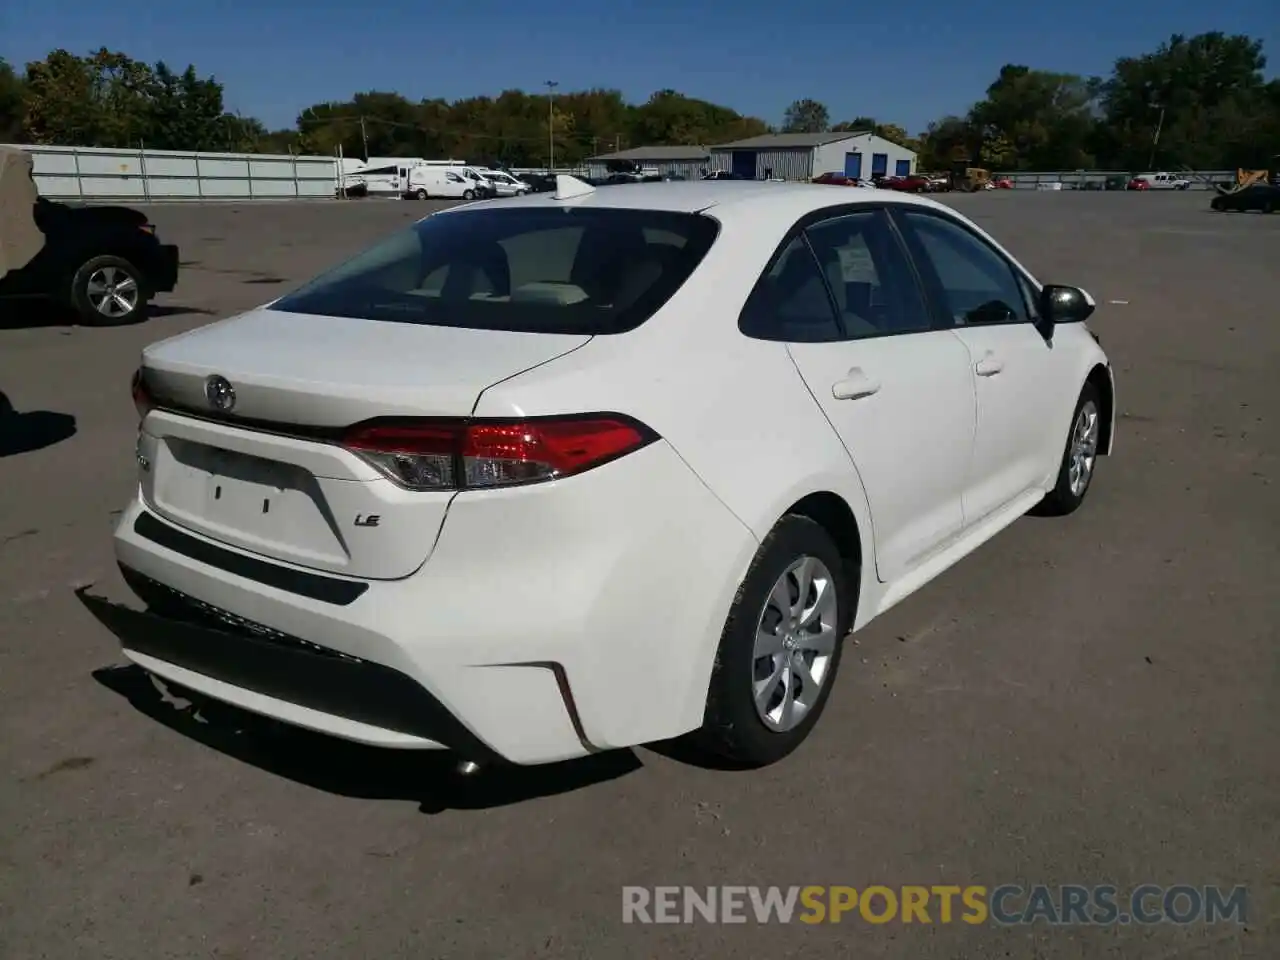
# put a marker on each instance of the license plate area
(261, 504)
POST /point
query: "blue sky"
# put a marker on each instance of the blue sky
(902, 63)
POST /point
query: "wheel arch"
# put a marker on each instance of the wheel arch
(852, 536)
(1102, 380)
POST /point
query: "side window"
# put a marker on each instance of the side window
(875, 289)
(977, 285)
(790, 302)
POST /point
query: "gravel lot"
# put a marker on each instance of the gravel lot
(1084, 701)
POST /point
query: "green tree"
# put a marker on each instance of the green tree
(185, 112)
(1207, 95)
(806, 116)
(13, 96)
(1045, 118)
(949, 140)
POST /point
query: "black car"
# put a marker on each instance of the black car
(540, 182)
(1261, 196)
(106, 263)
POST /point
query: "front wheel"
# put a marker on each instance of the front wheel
(468, 194)
(108, 291)
(421, 194)
(1075, 473)
(781, 646)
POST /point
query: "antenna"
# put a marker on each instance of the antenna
(569, 188)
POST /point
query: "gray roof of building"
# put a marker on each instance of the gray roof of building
(782, 141)
(686, 152)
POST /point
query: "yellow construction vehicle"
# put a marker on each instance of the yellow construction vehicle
(1247, 178)
(969, 179)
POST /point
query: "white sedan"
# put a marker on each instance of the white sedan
(570, 472)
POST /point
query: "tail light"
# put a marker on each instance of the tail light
(483, 454)
(143, 401)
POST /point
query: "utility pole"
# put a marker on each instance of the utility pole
(364, 138)
(551, 125)
(1155, 138)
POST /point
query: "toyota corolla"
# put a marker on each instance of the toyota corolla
(562, 473)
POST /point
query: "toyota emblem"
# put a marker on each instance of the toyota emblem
(220, 394)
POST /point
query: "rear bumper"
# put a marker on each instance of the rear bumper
(550, 621)
(161, 268)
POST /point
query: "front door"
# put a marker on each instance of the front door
(853, 165)
(897, 391)
(1019, 378)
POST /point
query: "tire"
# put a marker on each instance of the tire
(468, 194)
(1217, 205)
(98, 309)
(1067, 494)
(1268, 207)
(733, 727)
(421, 194)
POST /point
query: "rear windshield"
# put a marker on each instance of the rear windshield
(535, 270)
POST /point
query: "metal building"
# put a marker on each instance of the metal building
(689, 162)
(803, 156)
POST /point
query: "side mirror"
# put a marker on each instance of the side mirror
(1064, 305)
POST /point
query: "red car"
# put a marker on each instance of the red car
(911, 184)
(836, 180)
(1138, 183)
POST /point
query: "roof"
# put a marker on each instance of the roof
(783, 141)
(694, 196)
(683, 152)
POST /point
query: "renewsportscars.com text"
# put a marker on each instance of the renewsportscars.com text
(1007, 904)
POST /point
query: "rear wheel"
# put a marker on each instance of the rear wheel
(781, 646)
(1075, 473)
(108, 291)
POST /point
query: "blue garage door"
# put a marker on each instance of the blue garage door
(744, 164)
(879, 164)
(904, 168)
(853, 164)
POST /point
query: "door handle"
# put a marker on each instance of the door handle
(855, 386)
(988, 366)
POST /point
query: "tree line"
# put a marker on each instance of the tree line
(1200, 102)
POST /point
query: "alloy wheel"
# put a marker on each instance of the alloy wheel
(795, 640)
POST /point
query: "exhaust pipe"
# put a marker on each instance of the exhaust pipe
(467, 768)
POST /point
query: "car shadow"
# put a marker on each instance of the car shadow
(429, 778)
(21, 314)
(33, 430)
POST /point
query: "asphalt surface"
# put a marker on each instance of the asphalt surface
(1083, 701)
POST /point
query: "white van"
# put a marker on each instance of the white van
(479, 182)
(427, 181)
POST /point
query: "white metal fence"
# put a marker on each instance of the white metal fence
(99, 173)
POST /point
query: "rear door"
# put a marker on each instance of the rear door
(1022, 383)
(898, 392)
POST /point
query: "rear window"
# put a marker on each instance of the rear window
(535, 270)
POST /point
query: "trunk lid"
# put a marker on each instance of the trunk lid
(267, 475)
